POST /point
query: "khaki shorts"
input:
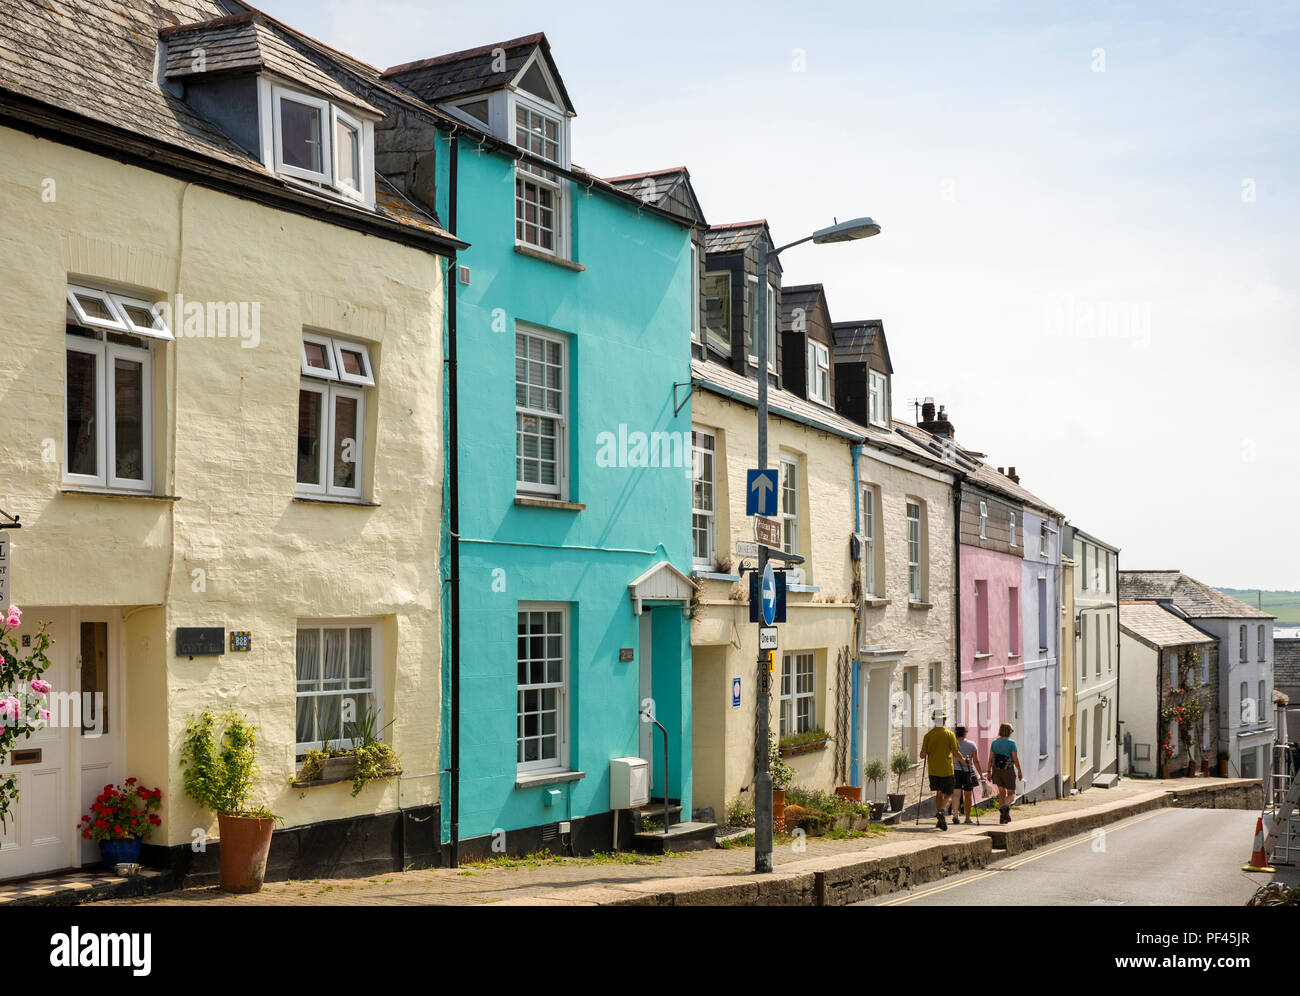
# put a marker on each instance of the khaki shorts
(1004, 777)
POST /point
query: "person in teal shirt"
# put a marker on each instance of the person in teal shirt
(1004, 767)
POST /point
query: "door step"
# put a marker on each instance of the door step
(1105, 781)
(680, 837)
(72, 888)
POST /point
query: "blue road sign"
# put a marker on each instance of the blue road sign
(760, 492)
(735, 692)
(769, 595)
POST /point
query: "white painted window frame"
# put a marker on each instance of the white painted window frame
(877, 398)
(1012, 522)
(376, 689)
(560, 490)
(819, 372)
(338, 115)
(326, 174)
(984, 520)
(332, 386)
(915, 543)
(789, 460)
(710, 514)
(697, 321)
(869, 515)
(561, 761)
(793, 664)
(559, 186)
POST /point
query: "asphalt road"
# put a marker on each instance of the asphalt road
(1168, 857)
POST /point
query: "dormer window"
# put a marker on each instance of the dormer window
(878, 398)
(819, 372)
(314, 140)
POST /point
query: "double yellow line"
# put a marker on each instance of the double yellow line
(1019, 862)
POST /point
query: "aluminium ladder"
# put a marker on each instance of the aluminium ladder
(1282, 840)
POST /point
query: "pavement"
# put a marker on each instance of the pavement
(811, 871)
(1173, 857)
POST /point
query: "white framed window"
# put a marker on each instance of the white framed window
(332, 416)
(697, 328)
(1110, 647)
(1261, 707)
(984, 520)
(789, 504)
(914, 551)
(878, 398)
(541, 413)
(751, 349)
(717, 311)
(1096, 619)
(1043, 540)
(798, 693)
(540, 192)
(108, 390)
(982, 617)
(819, 372)
(869, 540)
(1012, 524)
(338, 669)
(1247, 713)
(302, 147)
(542, 702)
(1083, 648)
(703, 505)
(348, 148)
(1242, 645)
(1259, 642)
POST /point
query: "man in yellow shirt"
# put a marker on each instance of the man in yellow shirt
(937, 748)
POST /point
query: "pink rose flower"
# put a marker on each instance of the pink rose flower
(45, 714)
(40, 686)
(15, 617)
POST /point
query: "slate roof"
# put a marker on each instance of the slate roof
(725, 382)
(247, 43)
(735, 236)
(95, 60)
(471, 71)
(1191, 597)
(976, 470)
(1158, 627)
(1286, 662)
(854, 339)
(670, 189)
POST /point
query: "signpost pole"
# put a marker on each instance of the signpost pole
(762, 777)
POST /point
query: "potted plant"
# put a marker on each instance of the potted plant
(900, 764)
(120, 819)
(1223, 763)
(875, 772)
(367, 760)
(220, 765)
(803, 743)
(782, 775)
(1205, 766)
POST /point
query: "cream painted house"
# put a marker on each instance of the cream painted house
(224, 410)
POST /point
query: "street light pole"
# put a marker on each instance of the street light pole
(847, 231)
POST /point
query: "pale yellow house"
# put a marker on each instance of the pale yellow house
(1067, 754)
(223, 409)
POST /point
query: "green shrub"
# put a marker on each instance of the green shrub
(220, 765)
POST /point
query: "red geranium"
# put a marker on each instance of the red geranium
(116, 814)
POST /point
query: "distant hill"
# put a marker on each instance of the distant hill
(1283, 604)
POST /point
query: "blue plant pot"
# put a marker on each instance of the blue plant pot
(114, 852)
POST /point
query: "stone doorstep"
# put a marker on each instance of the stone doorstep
(82, 886)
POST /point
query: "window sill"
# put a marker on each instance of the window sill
(982, 657)
(714, 575)
(803, 588)
(567, 506)
(94, 493)
(547, 778)
(546, 257)
(335, 501)
(872, 602)
(919, 605)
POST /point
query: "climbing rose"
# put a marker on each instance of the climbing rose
(15, 617)
(40, 686)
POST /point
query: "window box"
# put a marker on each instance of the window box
(807, 742)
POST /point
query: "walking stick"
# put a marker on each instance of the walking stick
(921, 800)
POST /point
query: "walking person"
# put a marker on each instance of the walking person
(966, 765)
(937, 748)
(1004, 766)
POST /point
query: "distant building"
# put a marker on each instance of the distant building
(1245, 636)
(1286, 679)
(1097, 658)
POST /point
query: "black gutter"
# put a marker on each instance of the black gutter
(453, 511)
(68, 128)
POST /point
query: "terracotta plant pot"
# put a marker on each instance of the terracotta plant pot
(853, 792)
(245, 842)
(1223, 769)
(778, 810)
(1205, 766)
(1164, 769)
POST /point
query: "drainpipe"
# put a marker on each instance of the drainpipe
(453, 510)
(854, 746)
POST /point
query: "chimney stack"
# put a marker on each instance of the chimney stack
(1011, 473)
(939, 426)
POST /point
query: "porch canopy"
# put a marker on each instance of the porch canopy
(662, 583)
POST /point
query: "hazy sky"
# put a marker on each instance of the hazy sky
(1089, 215)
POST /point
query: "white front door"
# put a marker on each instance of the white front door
(40, 833)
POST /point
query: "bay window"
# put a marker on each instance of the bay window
(108, 404)
(332, 416)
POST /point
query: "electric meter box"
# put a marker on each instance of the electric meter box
(629, 782)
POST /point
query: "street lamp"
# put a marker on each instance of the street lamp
(840, 231)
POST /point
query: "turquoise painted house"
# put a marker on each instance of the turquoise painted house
(572, 313)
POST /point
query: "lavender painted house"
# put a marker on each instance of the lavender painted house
(1040, 749)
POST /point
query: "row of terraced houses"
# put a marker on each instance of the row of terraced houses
(361, 373)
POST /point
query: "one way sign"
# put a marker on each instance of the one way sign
(760, 492)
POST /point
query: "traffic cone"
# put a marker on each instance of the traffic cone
(1258, 859)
